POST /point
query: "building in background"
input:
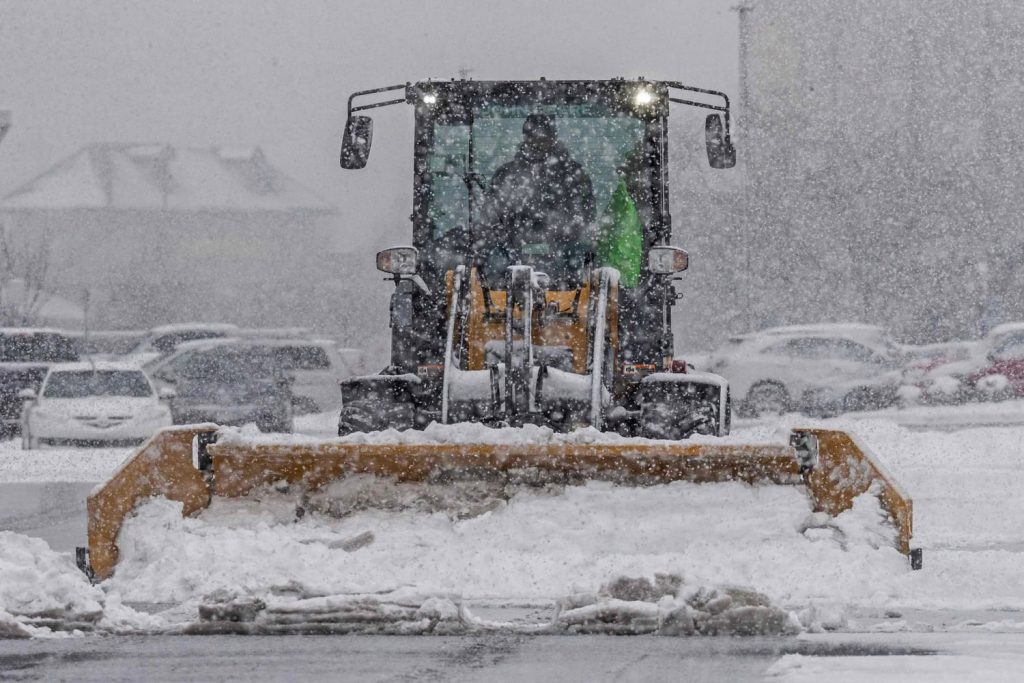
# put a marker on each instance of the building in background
(883, 155)
(151, 233)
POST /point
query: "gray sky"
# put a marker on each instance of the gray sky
(278, 73)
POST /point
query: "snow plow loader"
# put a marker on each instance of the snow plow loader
(536, 296)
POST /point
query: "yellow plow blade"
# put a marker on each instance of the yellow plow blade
(832, 465)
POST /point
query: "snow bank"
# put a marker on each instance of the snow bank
(43, 594)
(626, 606)
(536, 545)
(37, 581)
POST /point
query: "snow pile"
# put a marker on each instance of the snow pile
(41, 592)
(628, 606)
(289, 610)
(535, 544)
(625, 606)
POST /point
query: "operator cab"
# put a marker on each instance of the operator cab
(554, 209)
(524, 174)
(562, 176)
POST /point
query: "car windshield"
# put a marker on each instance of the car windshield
(86, 383)
(303, 357)
(821, 348)
(36, 348)
(491, 178)
(1009, 348)
(229, 364)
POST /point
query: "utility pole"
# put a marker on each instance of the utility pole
(743, 11)
(5, 123)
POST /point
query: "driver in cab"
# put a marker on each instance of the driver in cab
(539, 210)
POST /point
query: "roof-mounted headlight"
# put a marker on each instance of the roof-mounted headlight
(643, 97)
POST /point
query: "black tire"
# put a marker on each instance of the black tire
(357, 416)
(664, 420)
(865, 398)
(304, 405)
(767, 398)
(373, 416)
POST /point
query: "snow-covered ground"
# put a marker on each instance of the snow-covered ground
(59, 464)
(954, 657)
(540, 547)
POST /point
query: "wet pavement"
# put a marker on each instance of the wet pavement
(496, 657)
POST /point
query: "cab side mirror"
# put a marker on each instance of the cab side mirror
(721, 153)
(398, 260)
(27, 394)
(355, 145)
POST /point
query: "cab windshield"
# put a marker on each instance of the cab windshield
(549, 185)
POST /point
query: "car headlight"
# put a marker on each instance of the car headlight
(42, 413)
(156, 412)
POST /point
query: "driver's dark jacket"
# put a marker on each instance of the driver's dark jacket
(538, 211)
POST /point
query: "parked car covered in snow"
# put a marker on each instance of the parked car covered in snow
(26, 355)
(985, 372)
(107, 344)
(1002, 374)
(92, 404)
(315, 367)
(819, 369)
(230, 382)
(933, 372)
(162, 340)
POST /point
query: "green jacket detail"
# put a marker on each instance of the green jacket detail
(620, 240)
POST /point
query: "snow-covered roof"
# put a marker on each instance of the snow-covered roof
(164, 177)
(1005, 328)
(254, 341)
(826, 328)
(870, 335)
(29, 330)
(190, 327)
(106, 365)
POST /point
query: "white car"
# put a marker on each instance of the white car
(103, 403)
(821, 369)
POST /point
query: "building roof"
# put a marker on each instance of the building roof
(164, 177)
